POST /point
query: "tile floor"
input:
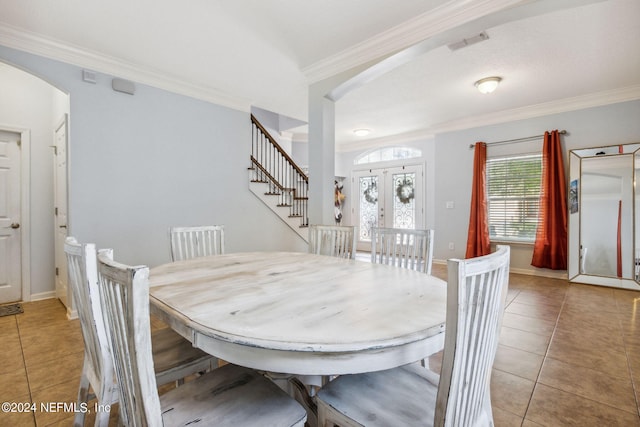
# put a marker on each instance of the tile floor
(569, 355)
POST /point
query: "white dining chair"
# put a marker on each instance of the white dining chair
(198, 241)
(413, 396)
(174, 357)
(405, 248)
(229, 396)
(333, 240)
(401, 247)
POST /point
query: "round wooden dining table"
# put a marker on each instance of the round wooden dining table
(303, 314)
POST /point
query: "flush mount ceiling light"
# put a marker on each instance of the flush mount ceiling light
(362, 132)
(488, 84)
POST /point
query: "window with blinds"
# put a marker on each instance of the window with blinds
(513, 193)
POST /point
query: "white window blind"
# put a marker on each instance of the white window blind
(513, 192)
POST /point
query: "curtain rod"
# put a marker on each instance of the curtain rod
(513, 141)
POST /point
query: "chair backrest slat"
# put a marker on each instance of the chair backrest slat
(125, 296)
(333, 240)
(412, 249)
(475, 305)
(193, 242)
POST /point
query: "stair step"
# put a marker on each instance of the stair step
(283, 205)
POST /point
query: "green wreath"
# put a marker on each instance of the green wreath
(369, 194)
(404, 191)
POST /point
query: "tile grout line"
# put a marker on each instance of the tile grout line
(535, 382)
(546, 355)
(24, 363)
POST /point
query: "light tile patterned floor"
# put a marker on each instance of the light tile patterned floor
(569, 355)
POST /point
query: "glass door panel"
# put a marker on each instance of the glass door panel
(404, 202)
(368, 206)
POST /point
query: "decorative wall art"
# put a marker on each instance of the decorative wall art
(573, 196)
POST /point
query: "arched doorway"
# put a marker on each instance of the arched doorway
(34, 109)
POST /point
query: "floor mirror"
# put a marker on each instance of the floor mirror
(604, 240)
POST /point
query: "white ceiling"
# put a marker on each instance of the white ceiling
(553, 55)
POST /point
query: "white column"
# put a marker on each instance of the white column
(321, 155)
(322, 137)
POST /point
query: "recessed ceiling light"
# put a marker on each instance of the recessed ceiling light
(488, 84)
(362, 132)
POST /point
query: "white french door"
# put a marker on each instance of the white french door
(388, 197)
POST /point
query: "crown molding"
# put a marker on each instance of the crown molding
(598, 99)
(37, 44)
(448, 16)
(399, 139)
(417, 29)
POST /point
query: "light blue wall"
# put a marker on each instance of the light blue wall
(141, 163)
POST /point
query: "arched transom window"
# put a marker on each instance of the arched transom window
(387, 154)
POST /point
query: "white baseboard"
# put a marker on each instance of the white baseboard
(43, 295)
(538, 272)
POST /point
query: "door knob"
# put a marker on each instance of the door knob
(15, 225)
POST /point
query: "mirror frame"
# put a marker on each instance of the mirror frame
(576, 157)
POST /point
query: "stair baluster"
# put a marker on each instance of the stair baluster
(272, 165)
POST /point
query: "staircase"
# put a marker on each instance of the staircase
(276, 180)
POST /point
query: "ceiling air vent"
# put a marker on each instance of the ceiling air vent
(469, 41)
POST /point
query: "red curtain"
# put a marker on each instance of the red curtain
(550, 248)
(619, 247)
(478, 242)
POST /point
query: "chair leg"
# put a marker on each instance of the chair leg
(83, 397)
(102, 418)
(300, 393)
(108, 396)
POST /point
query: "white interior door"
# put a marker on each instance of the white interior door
(60, 212)
(10, 236)
(388, 197)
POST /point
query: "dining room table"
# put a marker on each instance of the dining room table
(301, 314)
